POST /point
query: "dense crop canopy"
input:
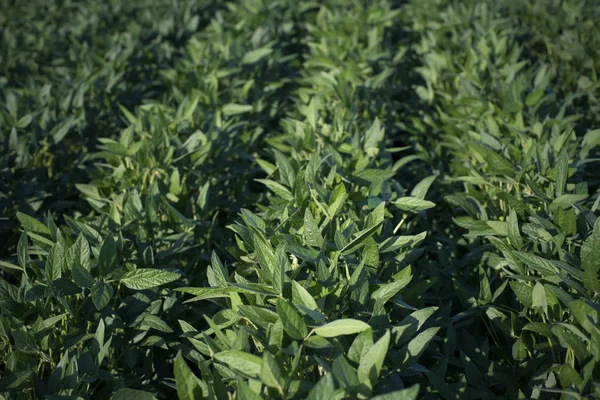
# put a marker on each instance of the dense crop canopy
(300, 200)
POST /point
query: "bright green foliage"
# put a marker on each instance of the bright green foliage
(300, 200)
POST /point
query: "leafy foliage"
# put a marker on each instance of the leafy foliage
(281, 199)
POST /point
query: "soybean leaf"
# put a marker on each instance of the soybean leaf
(312, 233)
(293, 323)
(145, 278)
(340, 327)
(413, 204)
(101, 294)
(360, 239)
(189, 387)
(371, 362)
(132, 394)
(562, 172)
(247, 364)
(270, 372)
(410, 393)
(234, 109)
(590, 259)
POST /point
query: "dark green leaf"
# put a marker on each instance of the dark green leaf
(101, 294)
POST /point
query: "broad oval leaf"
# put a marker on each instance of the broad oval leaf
(413, 204)
(240, 361)
(341, 327)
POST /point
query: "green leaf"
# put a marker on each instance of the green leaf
(539, 299)
(280, 268)
(132, 394)
(496, 163)
(370, 253)
(293, 323)
(343, 371)
(277, 188)
(48, 323)
(536, 263)
(416, 347)
(264, 253)
(54, 264)
(410, 393)
(146, 278)
(189, 387)
(25, 342)
(79, 253)
(389, 290)
(373, 136)
(485, 292)
(514, 236)
(90, 191)
(567, 200)
(360, 239)
(413, 204)
(217, 272)
(23, 251)
(82, 276)
(394, 243)
(301, 296)
(411, 324)
(336, 200)
(421, 188)
(568, 377)
(360, 345)
(539, 327)
(154, 322)
(562, 172)
(108, 255)
(585, 314)
(317, 342)
(270, 372)
(340, 327)
(24, 121)
(256, 55)
(32, 225)
(371, 362)
(590, 259)
(523, 292)
(130, 117)
(210, 293)
(101, 294)
(244, 392)
(324, 389)
(14, 380)
(533, 98)
(234, 109)
(286, 170)
(312, 233)
(247, 364)
(266, 166)
(10, 267)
